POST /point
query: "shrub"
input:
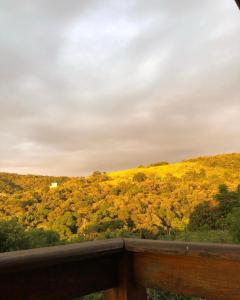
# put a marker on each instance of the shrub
(233, 222)
(139, 177)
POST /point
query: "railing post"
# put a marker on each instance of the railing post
(127, 288)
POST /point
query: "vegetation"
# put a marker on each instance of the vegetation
(194, 200)
(151, 202)
(157, 295)
(225, 216)
(14, 236)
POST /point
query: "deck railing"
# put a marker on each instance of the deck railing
(123, 268)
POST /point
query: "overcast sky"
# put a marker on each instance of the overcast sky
(107, 85)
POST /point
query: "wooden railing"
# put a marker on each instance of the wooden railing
(123, 268)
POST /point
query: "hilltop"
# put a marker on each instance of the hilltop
(155, 199)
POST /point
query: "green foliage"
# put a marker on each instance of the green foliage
(159, 164)
(227, 199)
(204, 217)
(233, 222)
(14, 236)
(139, 177)
(160, 295)
(99, 176)
(207, 236)
(152, 295)
(221, 216)
(95, 296)
(65, 225)
(40, 238)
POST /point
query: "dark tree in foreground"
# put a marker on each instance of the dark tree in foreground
(14, 236)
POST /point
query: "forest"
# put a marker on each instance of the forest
(193, 200)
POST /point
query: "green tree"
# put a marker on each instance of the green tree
(233, 222)
(139, 177)
(204, 217)
(40, 238)
(227, 199)
(13, 236)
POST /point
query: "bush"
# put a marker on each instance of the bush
(208, 236)
(159, 164)
(204, 217)
(13, 236)
(233, 222)
(160, 295)
(139, 177)
(40, 238)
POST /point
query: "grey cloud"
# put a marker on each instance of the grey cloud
(88, 85)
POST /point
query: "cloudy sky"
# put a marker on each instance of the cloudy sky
(107, 85)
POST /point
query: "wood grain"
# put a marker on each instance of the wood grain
(127, 288)
(63, 281)
(124, 268)
(205, 277)
(38, 258)
(225, 251)
(60, 272)
(211, 271)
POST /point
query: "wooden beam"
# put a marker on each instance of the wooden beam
(61, 272)
(190, 276)
(127, 288)
(125, 268)
(226, 251)
(48, 256)
(63, 281)
(211, 271)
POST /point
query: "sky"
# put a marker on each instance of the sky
(109, 85)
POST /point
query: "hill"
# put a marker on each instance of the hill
(151, 200)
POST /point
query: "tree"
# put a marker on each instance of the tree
(13, 236)
(139, 177)
(204, 217)
(40, 238)
(227, 199)
(233, 222)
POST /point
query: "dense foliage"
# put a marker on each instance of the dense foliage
(14, 236)
(224, 216)
(147, 202)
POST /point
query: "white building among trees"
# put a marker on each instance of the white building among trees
(54, 185)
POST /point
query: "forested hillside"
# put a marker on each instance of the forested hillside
(148, 201)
